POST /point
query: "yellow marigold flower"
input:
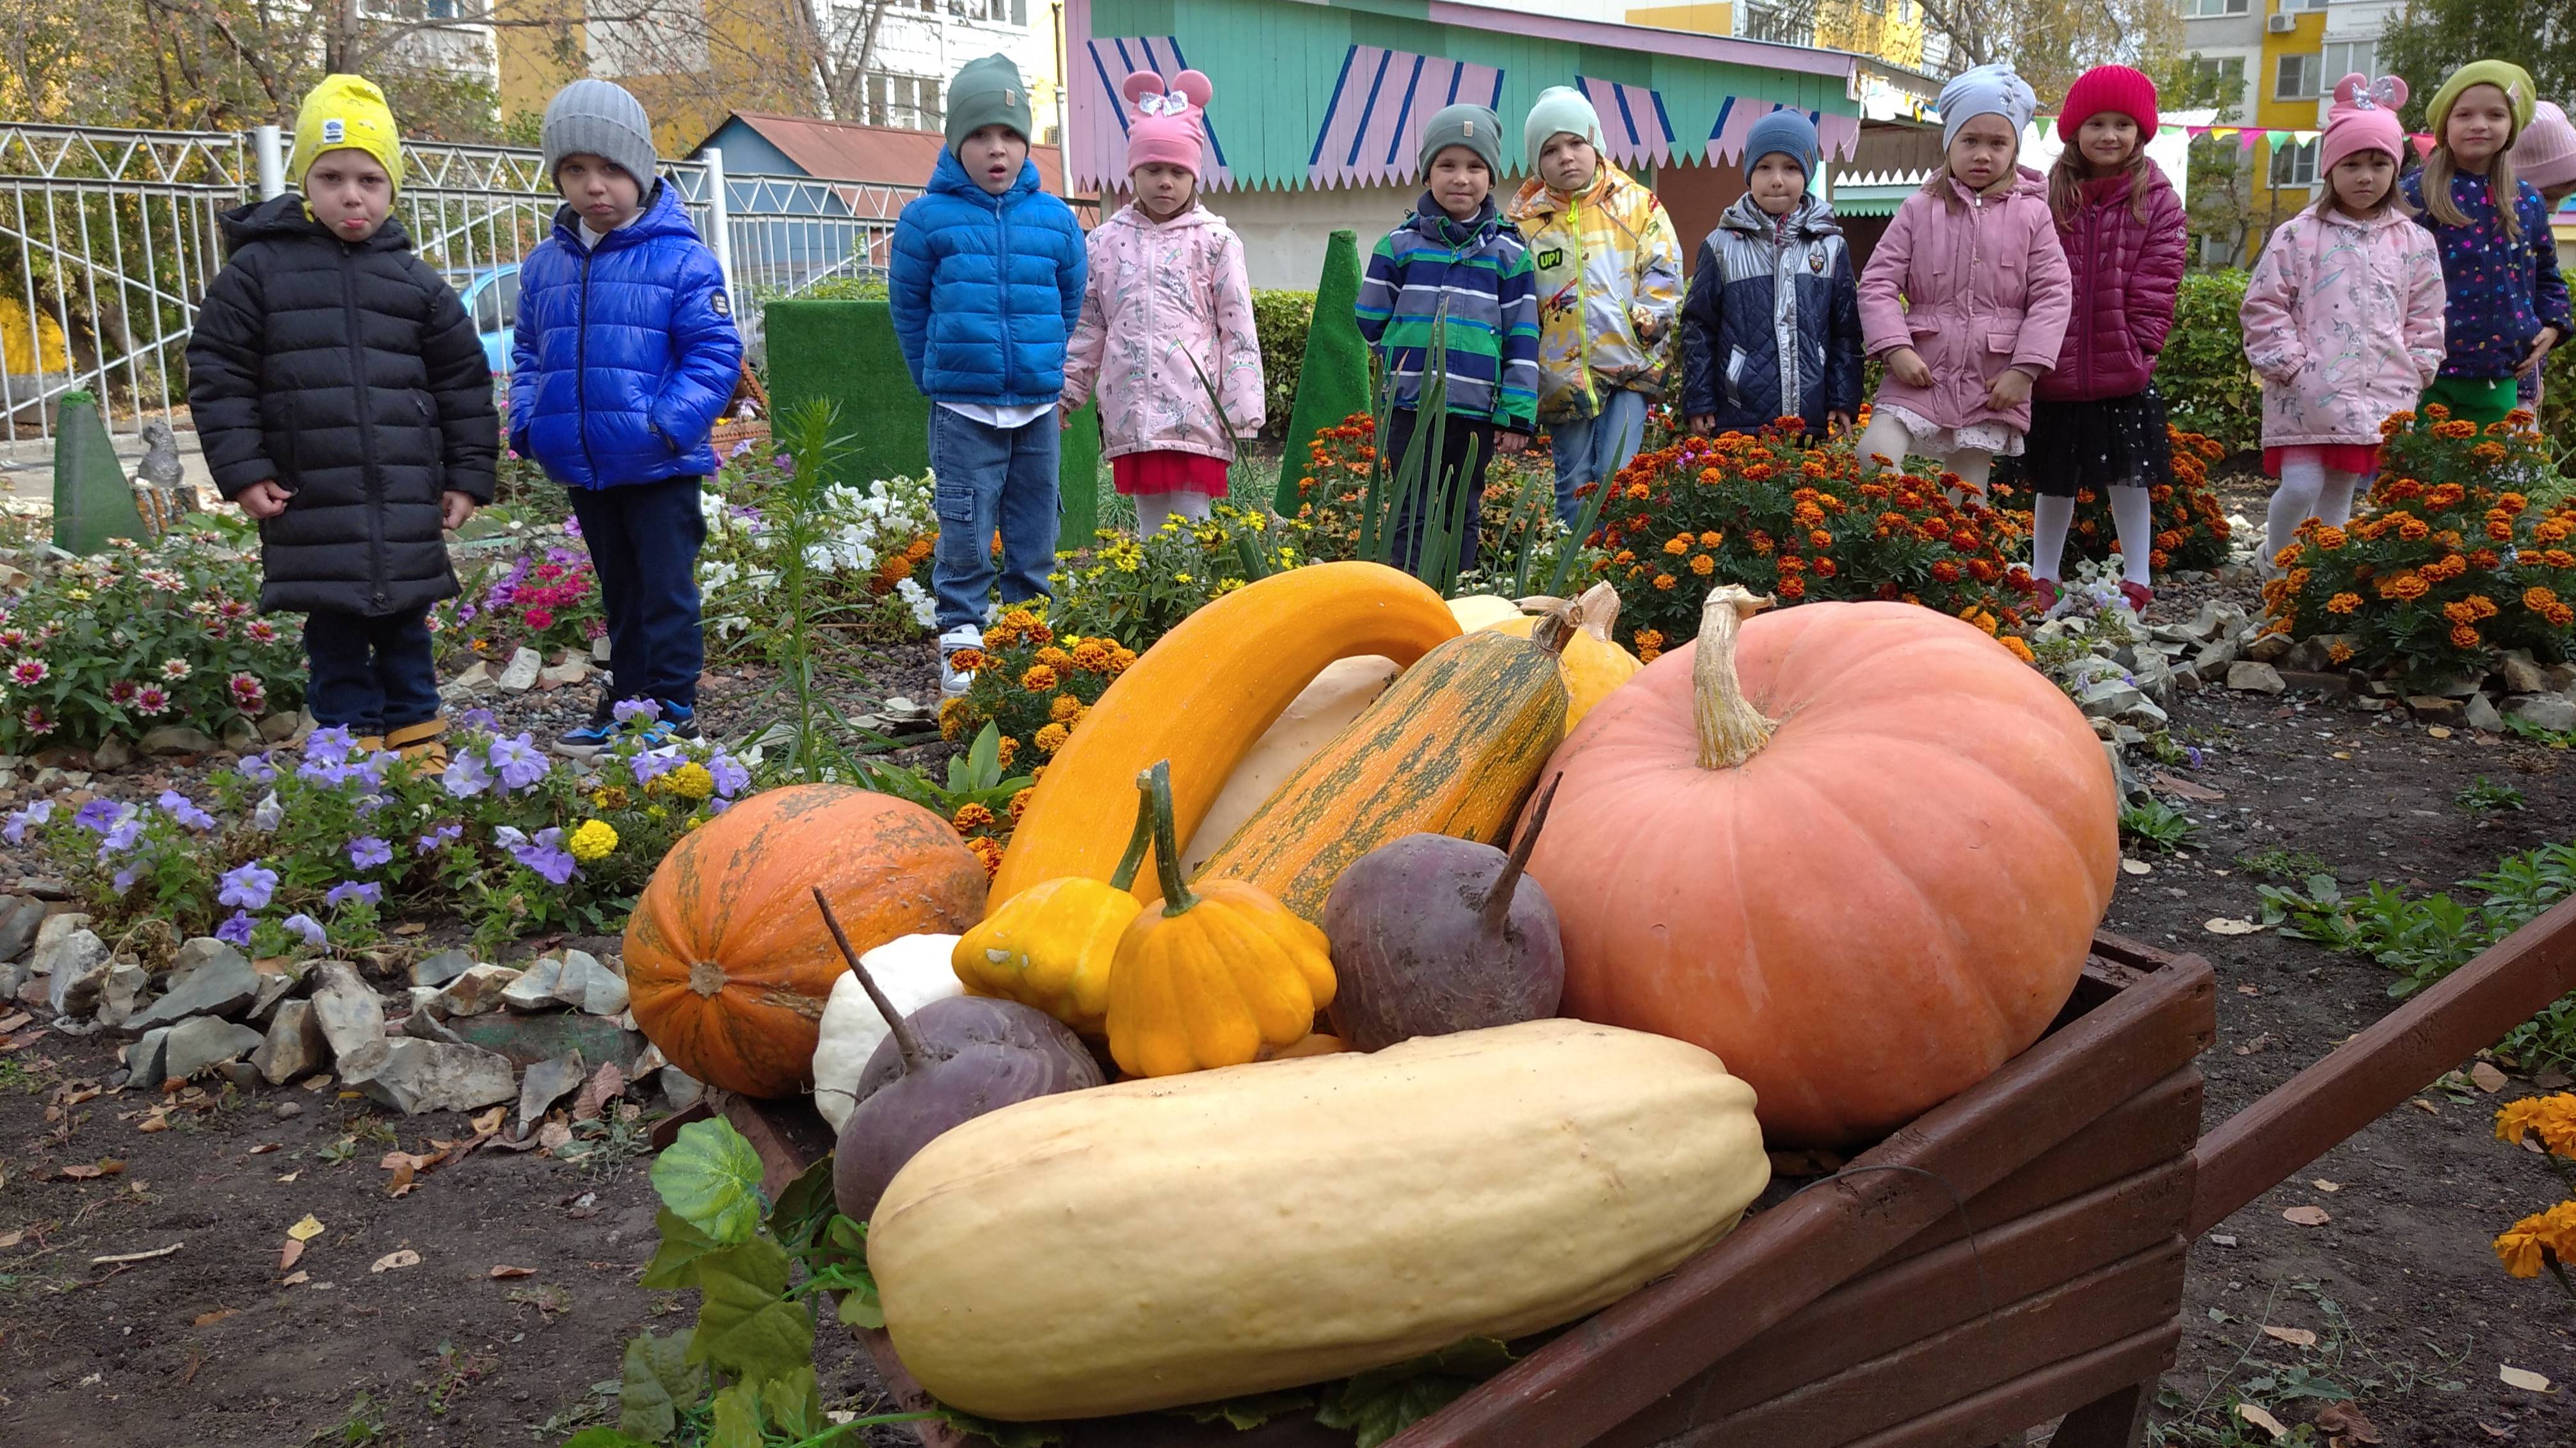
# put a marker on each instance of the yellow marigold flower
(970, 818)
(1065, 709)
(1050, 738)
(611, 796)
(1703, 565)
(656, 812)
(595, 840)
(689, 781)
(1055, 658)
(1038, 679)
(1677, 544)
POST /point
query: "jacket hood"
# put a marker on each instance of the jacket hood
(1537, 199)
(950, 178)
(1429, 219)
(285, 216)
(2025, 182)
(1134, 215)
(1813, 218)
(664, 215)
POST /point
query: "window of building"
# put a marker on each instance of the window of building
(2297, 78)
(2347, 57)
(908, 102)
(2295, 164)
(2210, 9)
(2228, 70)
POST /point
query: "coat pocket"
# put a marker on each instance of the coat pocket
(1735, 377)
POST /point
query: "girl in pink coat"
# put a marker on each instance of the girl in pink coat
(2343, 318)
(1976, 259)
(1167, 319)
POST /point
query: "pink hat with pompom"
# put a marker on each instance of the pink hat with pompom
(2364, 118)
(1166, 119)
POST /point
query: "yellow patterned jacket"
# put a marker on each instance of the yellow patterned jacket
(1609, 286)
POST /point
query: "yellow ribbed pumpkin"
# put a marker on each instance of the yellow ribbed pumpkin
(1594, 662)
(1052, 945)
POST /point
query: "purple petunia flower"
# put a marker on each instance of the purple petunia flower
(572, 527)
(329, 773)
(124, 879)
(627, 711)
(366, 852)
(100, 815)
(184, 810)
(120, 837)
(653, 764)
(331, 746)
(236, 929)
(465, 776)
(306, 928)
(480, 720)
(518, 762)
(730, 776)
(15, 831)
(248, 887)
(257, 769)
(544, 855)
(443, 835)
(365, 892)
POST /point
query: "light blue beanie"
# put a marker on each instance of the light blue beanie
(1561, 110)
(1985, 90)
(1786, 133)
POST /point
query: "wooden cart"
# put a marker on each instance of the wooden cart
(2012, 1256)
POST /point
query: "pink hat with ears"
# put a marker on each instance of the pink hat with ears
(2364, 118)
(1167, 119)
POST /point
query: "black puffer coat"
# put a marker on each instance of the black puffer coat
(350, 375)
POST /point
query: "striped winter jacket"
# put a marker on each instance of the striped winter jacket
(1771, 327)
(1473, 283)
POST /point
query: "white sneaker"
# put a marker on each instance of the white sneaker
(953, 682)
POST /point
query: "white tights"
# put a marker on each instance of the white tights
(2309, 489)
(2131, 509)
(1153, 508)
(1889, 438)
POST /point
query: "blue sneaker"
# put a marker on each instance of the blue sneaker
(679, 723)
(586, 739)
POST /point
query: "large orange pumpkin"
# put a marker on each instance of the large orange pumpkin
(1857, 850)
(728, 965)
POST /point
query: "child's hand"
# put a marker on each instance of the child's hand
(1837, 422)
(1703, 423)
(1510, 442)
(1906, 366)
(454, 508)
(263, 500)
(2009, 391)
(1063, 420)
(2540, 346)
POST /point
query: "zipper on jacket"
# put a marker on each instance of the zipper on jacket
(373, 467)
(1582, 308)
(1002, 267)
(581, 369)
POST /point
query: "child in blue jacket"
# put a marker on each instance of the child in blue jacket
(1771, 327)
(626, 353)
(986, 285)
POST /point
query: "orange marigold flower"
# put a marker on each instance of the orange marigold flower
(2330, 538)
(2538, 599)
(2460, 611)
(2446, 495)
(1825, 567)
(2510, 502)
(2455, 430)
(1065, 709)
(1648, 656)
(2014, 646)
(2558, 558)
(1050, 738)
(1055, 658)
(988, 853)
(1793, 588)
(1009, 747)
(2286, 556)
(1020, 804)
(1703, 565)
(2559, 615)
(1678, 544)
(1038, 679)
(970, 818)
(2484, 559)
(2339, 653)
(967, 661)
(2404, 587)
(1665, 582)
(1650, 638)
(2344, 603)
(1711, 540)
(1091, 655)
(1946, 571)
(1789, 563)
(1121, 659)
(1819, 538)
(2415, 530)
(2488, 453)
(2482, 606)
(2464, 637)
(2500, 532)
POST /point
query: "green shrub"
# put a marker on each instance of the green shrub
(2207, 386)
(1281, 318)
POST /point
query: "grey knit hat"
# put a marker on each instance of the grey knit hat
(1475, 127)
(598, 118)
(988, 92)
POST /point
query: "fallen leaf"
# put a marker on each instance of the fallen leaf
(290, 1176)
(2321, 1184)
(2427, 1107)
(2488, 1078)
(2181, 788)
(2343, 754)
(12, 1237)
(289, 1255)
(296, 1279)
(2263, 1420)
(2306, 1216)
(514, 1272)
(157, 1120)
(2438, 732)
(2524, 1379)
(2222, 925)
(319, 1083)
(2249, 990)
(89, 1173)
(119, 1257)
(2294, 1336)
(2344, 1421)
(264, 1148)
(14, 1022)
(554, 1135)
(209, 1319)
(411, 927)
(306, 1230)
(490, 1121)
(2137, 867)
(2258, 1045)
(2551, 1078)
(393, 1260)
(602, 1088)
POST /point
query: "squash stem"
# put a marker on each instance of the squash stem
(1143, 835)
(1155, 785)
(1731, 730)
(1497, 909)
(916, 1054)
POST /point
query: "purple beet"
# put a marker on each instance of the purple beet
(1433, 935)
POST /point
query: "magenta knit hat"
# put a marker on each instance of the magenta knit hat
(1167, 121)
(2363, 118)
(2545, 153)
(2108, 88)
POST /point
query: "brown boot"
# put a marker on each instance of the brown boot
(420, 743)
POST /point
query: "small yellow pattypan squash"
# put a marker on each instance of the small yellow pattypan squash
(1052, 945)
(1208, 978)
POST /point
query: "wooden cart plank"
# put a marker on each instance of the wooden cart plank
(2115, 1420)
(1641, 1348)
(1886, 1311)
(2039, 1396)
(2471, 1008)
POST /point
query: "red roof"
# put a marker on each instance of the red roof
(884, 155)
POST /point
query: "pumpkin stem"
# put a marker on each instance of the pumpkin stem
(1497, 909)
(916, 1054)
(1731, 730)
(1555, 627)
(1598, 610)
(1130, 862)
(1155, 785)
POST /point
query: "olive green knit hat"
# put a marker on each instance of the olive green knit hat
(2504, 75)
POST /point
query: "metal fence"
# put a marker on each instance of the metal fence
(108, 238)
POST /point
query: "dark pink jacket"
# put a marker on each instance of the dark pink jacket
(2127, 275)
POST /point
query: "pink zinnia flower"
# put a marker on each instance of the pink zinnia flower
(152, 699)
(260, 631)
(233, 608)
(38, 721)
(13, 639)
(248, 691)
(216, 629)
(121, 692)
(174, 669)
(28, 673)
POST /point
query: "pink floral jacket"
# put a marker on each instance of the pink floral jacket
(1985, 287)
(1165, 304)
(2343, 322)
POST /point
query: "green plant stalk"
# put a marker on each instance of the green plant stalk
(1155, 785)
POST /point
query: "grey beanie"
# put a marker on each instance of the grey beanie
(988, 91)
(1475, 127)
(598, 118)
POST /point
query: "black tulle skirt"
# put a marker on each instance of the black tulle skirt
(2094, 444)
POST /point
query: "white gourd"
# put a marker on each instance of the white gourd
(913, 971)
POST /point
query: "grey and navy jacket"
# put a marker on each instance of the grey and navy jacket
(1771, 326)
(1471, 281)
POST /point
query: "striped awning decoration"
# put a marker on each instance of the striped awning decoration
(1099, 66)
(1634, 128)
(1373, 124)
(1835, 135)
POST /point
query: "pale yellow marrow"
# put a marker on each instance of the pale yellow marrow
(1158, 1243)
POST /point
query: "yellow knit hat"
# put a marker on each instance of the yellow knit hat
(347, 112)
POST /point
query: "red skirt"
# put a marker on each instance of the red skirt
(2342, 457)
(1168, 472)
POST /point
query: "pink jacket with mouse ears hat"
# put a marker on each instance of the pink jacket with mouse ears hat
(1168, 303)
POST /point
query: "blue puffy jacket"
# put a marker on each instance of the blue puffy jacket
(1771, 327)
(986, 289)
(625, 355)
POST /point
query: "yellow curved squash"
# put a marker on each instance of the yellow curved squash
(1155, 1243)
(1200, 697)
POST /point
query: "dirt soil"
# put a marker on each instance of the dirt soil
(206, 1344)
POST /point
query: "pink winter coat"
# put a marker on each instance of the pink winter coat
(2343, 322)
(1985, 288)
(1165, 304)
(2127, 275)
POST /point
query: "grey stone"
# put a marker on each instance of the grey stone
(2254, 677)
(112, 753)
(439, 969)
(2212, 661)
(2307, 656)
(571, 671)
(201, 951)
(420, 998)
(476, 991)
(589, 985)
(2433, 709)
(51, 934)
(33, 990)
(12, 976)
(599, 649)
(534, 990)
(2521, 675)
(413, 1076)
(2556, 712)
(216, 988)
(476, 678)
(145, 1057)
(2109, 698)
(2269, 648)
(294, 1046)
(351, 1016)
(122, 993)
(279, 727)
(2461, 686)
(2145, 711)
(2479, 714)
(240, 1073)
(2370, 704)
(682, 1090)
(2562, 678)
(289, 1110)
(76, 971)
(240, 736)
(546, 1083)
(177, 739)
(273, 992)
(194, 1045)
(48, 779)
(526, 1040)
(20, 917)
(520, 675)
(425, 1025)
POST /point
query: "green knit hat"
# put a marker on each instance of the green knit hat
(1475, 127)
(2504, 75)
(987, 92)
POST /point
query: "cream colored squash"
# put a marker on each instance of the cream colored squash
(1482, 610)
(1198, 1237)
(913, 971)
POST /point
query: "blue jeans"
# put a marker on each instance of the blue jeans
(644, 539)
(991, 478)
(1595, 449)
(370, 673)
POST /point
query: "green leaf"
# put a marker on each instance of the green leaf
(746, 1326)
(1009, 1435)
(737, 1423)
(604, 1438)
(793, 1404)
(804, 1207)
(674, 1264)
(710, 1176)
(659, 1383)
(1247, 1413)
(1383, 1402)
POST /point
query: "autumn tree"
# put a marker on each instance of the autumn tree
(2429, 39)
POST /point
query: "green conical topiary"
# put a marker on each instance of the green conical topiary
(92, 500)
(1335, 380)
